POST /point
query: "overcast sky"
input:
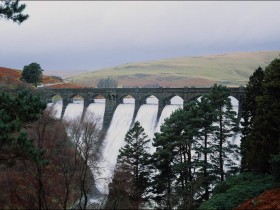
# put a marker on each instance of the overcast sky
(89, 35)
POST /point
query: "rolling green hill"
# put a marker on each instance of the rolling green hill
(231, 69)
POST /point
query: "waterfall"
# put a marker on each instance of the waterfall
(147, 116)
(113, 141)
(73, 111)
(166, 112)
(56, 107)
(236, 138)
(98, 110)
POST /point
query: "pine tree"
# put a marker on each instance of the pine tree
(193, 150)
(226, 123)
(265, 133)
(254, 89)
(12, 10)
(133, 162)
(32, 73)
(163, 159)
(15, 113)
(207, 117)
(175, 159)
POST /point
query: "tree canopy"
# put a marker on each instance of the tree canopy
(194, 151)
(12, 10)
(133, 165)
(261, 131)
(16, 112)
(32, 73)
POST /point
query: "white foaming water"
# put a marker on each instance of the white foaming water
(73, 111)
(98, 110)
(175, 103)
(237, 137)
(166, 112)
(147, 117)
(56, 107)
(114, 140)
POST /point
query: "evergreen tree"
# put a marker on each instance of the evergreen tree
(175, 159)
(16, 112)
(32, 73)
(226, 123)
(163, 159)
(193, 150)
(254, 89)
(265, 133)
(12, 10)
(133, 161)
(207, 117)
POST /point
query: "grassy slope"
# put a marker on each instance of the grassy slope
(11, 77)
(230, 69)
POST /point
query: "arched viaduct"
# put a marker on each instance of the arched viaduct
(114, 97)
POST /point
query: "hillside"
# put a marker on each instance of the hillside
(267, 200)
(231, 69)
(11, 77)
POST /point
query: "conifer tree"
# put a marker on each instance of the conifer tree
(226, 123)
(32, 73)
(176, 160)
(133, 162)
(204, 146)
(193, 149)
(265, 133)
(163, 159)
(12, 10)
(15, 113)
(254, 89)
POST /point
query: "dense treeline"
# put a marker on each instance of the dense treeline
(193, 152)
(261, 132)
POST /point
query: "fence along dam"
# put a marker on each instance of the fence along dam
(118, 108)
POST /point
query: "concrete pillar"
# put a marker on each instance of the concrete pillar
(110, 107)
(161, 104)
(65, 102)
(138, 104)
(86, 104)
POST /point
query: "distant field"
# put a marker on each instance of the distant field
(231, 69)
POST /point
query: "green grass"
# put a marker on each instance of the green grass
(231, 69)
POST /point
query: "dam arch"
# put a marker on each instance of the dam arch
(114, 96)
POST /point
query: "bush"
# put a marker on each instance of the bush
(237, 189)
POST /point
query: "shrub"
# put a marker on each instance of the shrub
(237, 189)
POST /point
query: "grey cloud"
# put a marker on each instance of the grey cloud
(94, 34)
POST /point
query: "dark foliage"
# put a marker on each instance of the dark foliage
(32, 73)
(12, 10)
